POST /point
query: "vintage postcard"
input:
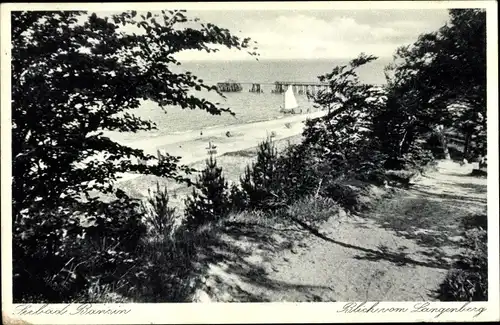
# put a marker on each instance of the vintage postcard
(248, 162)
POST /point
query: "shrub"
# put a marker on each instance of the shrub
(260, 181)
(210, 198)
(350, 194)
(77, 249)
(167, 271)
(418, 159)
(238, 198)
(298, 174)
(476, 221)
(346, 195)
(468, 280)
(158, 216)
(399, 177)
(313, 210)
(434, 144)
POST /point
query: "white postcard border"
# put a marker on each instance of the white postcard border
(255, 312)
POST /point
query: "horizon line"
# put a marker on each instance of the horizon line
(275, 59)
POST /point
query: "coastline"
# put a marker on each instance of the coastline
(192, 146)
(233, 153)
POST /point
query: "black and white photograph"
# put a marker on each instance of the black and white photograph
(276, 153)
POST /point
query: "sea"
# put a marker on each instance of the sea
(248, 107)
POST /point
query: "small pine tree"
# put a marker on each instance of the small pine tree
(158, 215)
(261, 180)
(210, 198)
(238, 198)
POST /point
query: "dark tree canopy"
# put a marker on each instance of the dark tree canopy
(76, 74)
(441, 79)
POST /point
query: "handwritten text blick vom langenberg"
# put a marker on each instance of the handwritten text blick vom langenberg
(421, 307)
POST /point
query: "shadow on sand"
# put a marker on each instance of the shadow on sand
(397, 257)
(246, 280)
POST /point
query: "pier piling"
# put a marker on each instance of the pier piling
(301, 88)
(256, 88)
(229, 86)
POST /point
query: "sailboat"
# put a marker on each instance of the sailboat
(289, 102)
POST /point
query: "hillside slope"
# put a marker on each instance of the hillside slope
(399, 250)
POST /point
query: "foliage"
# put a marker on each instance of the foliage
(344, 139)
(238, 198)
(418, 159)
(468, 281)
(275, 179)
(210, 197)
(83, 74)
(350, 194)
(261, 180)
(297, 172)
(313, 210)
(75, 76)
(158, 215)
(59, 253)
(440, 80)
(434, 145)
(167, 271)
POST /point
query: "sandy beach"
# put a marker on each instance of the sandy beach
(193, 146)
(233, 154)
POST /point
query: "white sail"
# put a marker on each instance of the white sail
(290, 101)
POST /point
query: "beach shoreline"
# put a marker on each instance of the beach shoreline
(233, 155)
(193, 146)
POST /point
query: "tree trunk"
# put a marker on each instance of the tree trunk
(444, 141)
(445, 147)
(407, 141)
(467, 145)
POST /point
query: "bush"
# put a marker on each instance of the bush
(58, 254)
(352, 194)
(167, 272)
(298, 175)
(261, 181)
(434, 145)
(399, 177)
(345, 195)
(158, 216)
(238, 198)
(468, 280)
(275, 180)
(313, 210)
(210, 198)
(418, 159)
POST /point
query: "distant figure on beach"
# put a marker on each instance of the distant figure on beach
(201, 132)
(228, 134)
(211, 148)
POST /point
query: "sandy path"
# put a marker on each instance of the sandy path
(398, 251)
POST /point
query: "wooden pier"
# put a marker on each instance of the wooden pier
(300, 88)
(255, 88)
(229, 86)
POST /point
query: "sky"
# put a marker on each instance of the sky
(315, 34)
(327, 34)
